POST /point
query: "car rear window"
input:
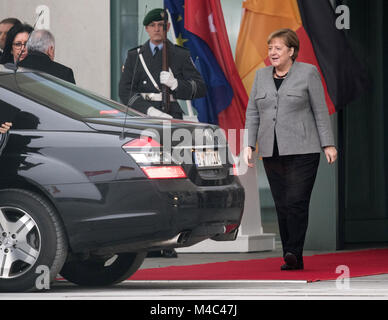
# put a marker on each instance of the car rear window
(67, 98)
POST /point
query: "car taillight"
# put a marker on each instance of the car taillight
(142, 142)
(164, 172)
(144, 150)
(149, 155)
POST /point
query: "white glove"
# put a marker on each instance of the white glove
(153, 112)
(168, 79)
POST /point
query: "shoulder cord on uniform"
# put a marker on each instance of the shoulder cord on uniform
(147, 71)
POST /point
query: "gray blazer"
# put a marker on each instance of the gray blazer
(297, 112)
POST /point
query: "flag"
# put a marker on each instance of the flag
(321, 44)
(199, 26)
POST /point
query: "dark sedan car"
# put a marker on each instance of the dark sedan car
(88, 186)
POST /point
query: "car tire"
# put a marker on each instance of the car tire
(98, 271)
(33, 245)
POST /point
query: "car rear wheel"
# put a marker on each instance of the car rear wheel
(99, 271)
(33, 244)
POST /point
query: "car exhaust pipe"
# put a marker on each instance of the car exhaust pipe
(179, 239)
(184, 237)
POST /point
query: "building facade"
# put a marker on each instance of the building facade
(349, 200)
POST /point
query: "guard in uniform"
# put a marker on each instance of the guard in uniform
(142, 76)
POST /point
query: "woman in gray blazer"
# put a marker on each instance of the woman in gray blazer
(288, 118)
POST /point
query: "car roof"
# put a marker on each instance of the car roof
(3, 69)
(6, 69)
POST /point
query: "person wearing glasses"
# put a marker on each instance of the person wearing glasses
(15, 49)
(142, 77)
(5, 25)
(41, 53)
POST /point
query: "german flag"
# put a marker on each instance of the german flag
(321, 44)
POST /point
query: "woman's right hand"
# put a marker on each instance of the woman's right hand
(248, 157)
(5, 127)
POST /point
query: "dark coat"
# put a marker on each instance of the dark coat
(190, 82)
(42, 62)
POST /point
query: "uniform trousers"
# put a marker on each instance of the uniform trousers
(291, 179)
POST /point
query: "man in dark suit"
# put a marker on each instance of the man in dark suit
(142, 76)
(41, 52)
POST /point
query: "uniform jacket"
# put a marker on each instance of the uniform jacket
(190, 82)
(297, 113)
(42, 62)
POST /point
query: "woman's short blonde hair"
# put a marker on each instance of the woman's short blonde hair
(289, 37)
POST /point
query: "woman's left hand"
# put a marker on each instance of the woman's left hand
(331, 154)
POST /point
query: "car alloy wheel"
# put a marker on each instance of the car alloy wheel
(33, 243)
(20, 242)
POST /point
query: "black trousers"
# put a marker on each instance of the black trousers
(291, 179)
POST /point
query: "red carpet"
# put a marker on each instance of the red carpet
(317, 267)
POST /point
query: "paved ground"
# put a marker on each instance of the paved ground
(372, 287)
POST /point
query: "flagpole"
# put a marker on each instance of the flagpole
(188, 102)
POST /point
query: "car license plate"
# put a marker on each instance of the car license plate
(208, 158)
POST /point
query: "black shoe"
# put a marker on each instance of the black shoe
(292, 263)
(169, 253)
(290, 259)
(164, 253)
(298, 266)
(154, 254)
